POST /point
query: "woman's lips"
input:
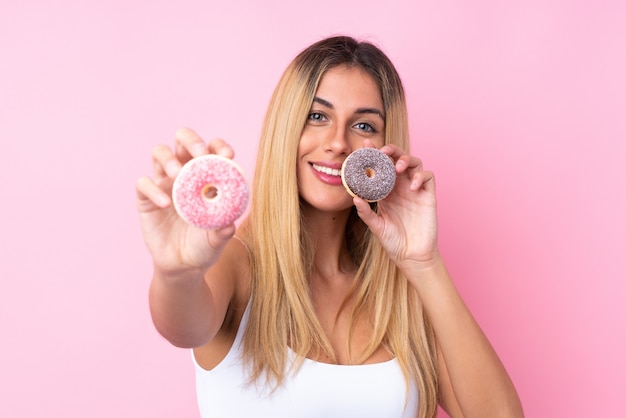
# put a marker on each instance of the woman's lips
(329, 173)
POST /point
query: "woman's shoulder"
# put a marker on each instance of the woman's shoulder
(229, 278)
(238, 257)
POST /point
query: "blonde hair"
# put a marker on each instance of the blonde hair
(281, 310)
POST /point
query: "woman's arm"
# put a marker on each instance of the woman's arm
(188, 307)
(194, 277)
(473, 380)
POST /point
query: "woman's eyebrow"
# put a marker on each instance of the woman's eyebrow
(371, 110)
(361, 110)
(323, 102)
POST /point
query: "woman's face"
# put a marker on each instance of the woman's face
(347, 110)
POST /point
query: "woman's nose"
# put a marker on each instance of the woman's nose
(338, 141)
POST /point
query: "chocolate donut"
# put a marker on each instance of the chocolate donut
(369, 174)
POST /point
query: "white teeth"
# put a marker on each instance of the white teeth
(327, 170)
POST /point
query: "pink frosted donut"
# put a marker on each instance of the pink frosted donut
(369, 174)
(210, 192)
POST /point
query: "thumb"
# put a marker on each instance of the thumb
(365, 212)
(219, 237)
(226, 233)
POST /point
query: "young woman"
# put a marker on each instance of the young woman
(320, 304)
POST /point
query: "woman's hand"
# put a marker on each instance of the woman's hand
(175, 245)
(406, 222)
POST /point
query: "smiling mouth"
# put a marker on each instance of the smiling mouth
(327, 170)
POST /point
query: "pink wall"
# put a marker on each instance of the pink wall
(518, 108)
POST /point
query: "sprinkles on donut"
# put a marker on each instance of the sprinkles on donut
(369, 174)
(210, 192)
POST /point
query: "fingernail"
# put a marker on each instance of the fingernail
(198, 149)
(172, 168)
(225, 152)
(163, 201)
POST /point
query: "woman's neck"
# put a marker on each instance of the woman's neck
(327, 232)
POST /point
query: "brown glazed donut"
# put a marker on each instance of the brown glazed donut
(369, 174)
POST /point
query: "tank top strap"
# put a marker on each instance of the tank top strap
(244, 245)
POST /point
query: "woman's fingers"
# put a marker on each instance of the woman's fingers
(366, 213)
(408, 162)
(188, 144)
(403, 160)
(221, 147)
(165, 162)
(148, 193)
(424, 180)
(393, 151)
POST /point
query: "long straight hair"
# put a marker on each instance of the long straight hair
(281, 309)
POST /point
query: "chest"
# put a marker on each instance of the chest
(317, 390)
(349, 336)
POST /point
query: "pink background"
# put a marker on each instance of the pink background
(519, 109)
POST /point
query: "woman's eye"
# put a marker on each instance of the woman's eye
(365, 127)
(316, 117)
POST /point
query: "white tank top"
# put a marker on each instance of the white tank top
(317, 390)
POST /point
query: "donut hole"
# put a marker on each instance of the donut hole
(370, 172)
(209, 192)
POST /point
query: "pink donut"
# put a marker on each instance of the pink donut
(210, 192)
